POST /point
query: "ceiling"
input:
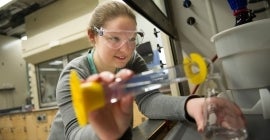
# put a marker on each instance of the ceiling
(12, 16)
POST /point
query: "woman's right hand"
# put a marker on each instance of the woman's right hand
(111, 121)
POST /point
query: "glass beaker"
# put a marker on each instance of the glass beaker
(223, 120)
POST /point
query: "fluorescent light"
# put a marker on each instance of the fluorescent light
(51, 69)
(56, 62)
(24, 38)
(4, 2)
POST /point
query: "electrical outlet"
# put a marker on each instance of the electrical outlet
(41, 118)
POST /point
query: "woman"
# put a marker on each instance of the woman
(113, 33)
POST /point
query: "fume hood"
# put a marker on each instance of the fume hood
(192, 24)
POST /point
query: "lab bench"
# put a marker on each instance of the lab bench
(257, 129)
(165, 130)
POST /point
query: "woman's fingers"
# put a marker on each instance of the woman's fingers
(104, 77)
(195, 110)
(123, 74)
(108, 77)
(126, 104)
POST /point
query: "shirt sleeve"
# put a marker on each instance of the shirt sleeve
(156, 105)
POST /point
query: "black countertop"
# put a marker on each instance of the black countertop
(165, 130)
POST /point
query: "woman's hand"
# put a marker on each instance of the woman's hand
(228, 114)
(111, 121)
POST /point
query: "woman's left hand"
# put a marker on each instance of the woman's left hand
(228, 114)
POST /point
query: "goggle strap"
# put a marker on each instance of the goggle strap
(99, 31)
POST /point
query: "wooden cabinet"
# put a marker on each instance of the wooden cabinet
(138, 117)
(26, 126)
(36, 125)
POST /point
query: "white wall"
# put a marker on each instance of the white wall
(12, 73)
(212, 16)
(57, 29)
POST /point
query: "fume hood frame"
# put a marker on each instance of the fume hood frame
(164, 22)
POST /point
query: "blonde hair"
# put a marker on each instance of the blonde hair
(108, 11)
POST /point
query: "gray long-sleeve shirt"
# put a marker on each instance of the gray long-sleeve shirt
(154, 104)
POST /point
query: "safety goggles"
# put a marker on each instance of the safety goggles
(117, 38)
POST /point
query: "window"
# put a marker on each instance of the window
(48, 73)
(77, 54)
(47, 77)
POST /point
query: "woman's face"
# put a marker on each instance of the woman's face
(114, 48)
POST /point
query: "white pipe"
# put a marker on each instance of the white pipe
(211, 16)
(265, 100)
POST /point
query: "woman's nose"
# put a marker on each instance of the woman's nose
(126, 46)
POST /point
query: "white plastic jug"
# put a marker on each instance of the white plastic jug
(244, 52)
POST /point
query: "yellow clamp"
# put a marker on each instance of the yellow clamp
(195, 77)
(86, 97)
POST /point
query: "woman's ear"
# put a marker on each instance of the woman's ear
(91, 36)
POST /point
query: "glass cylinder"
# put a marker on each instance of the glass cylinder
(222, 118)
